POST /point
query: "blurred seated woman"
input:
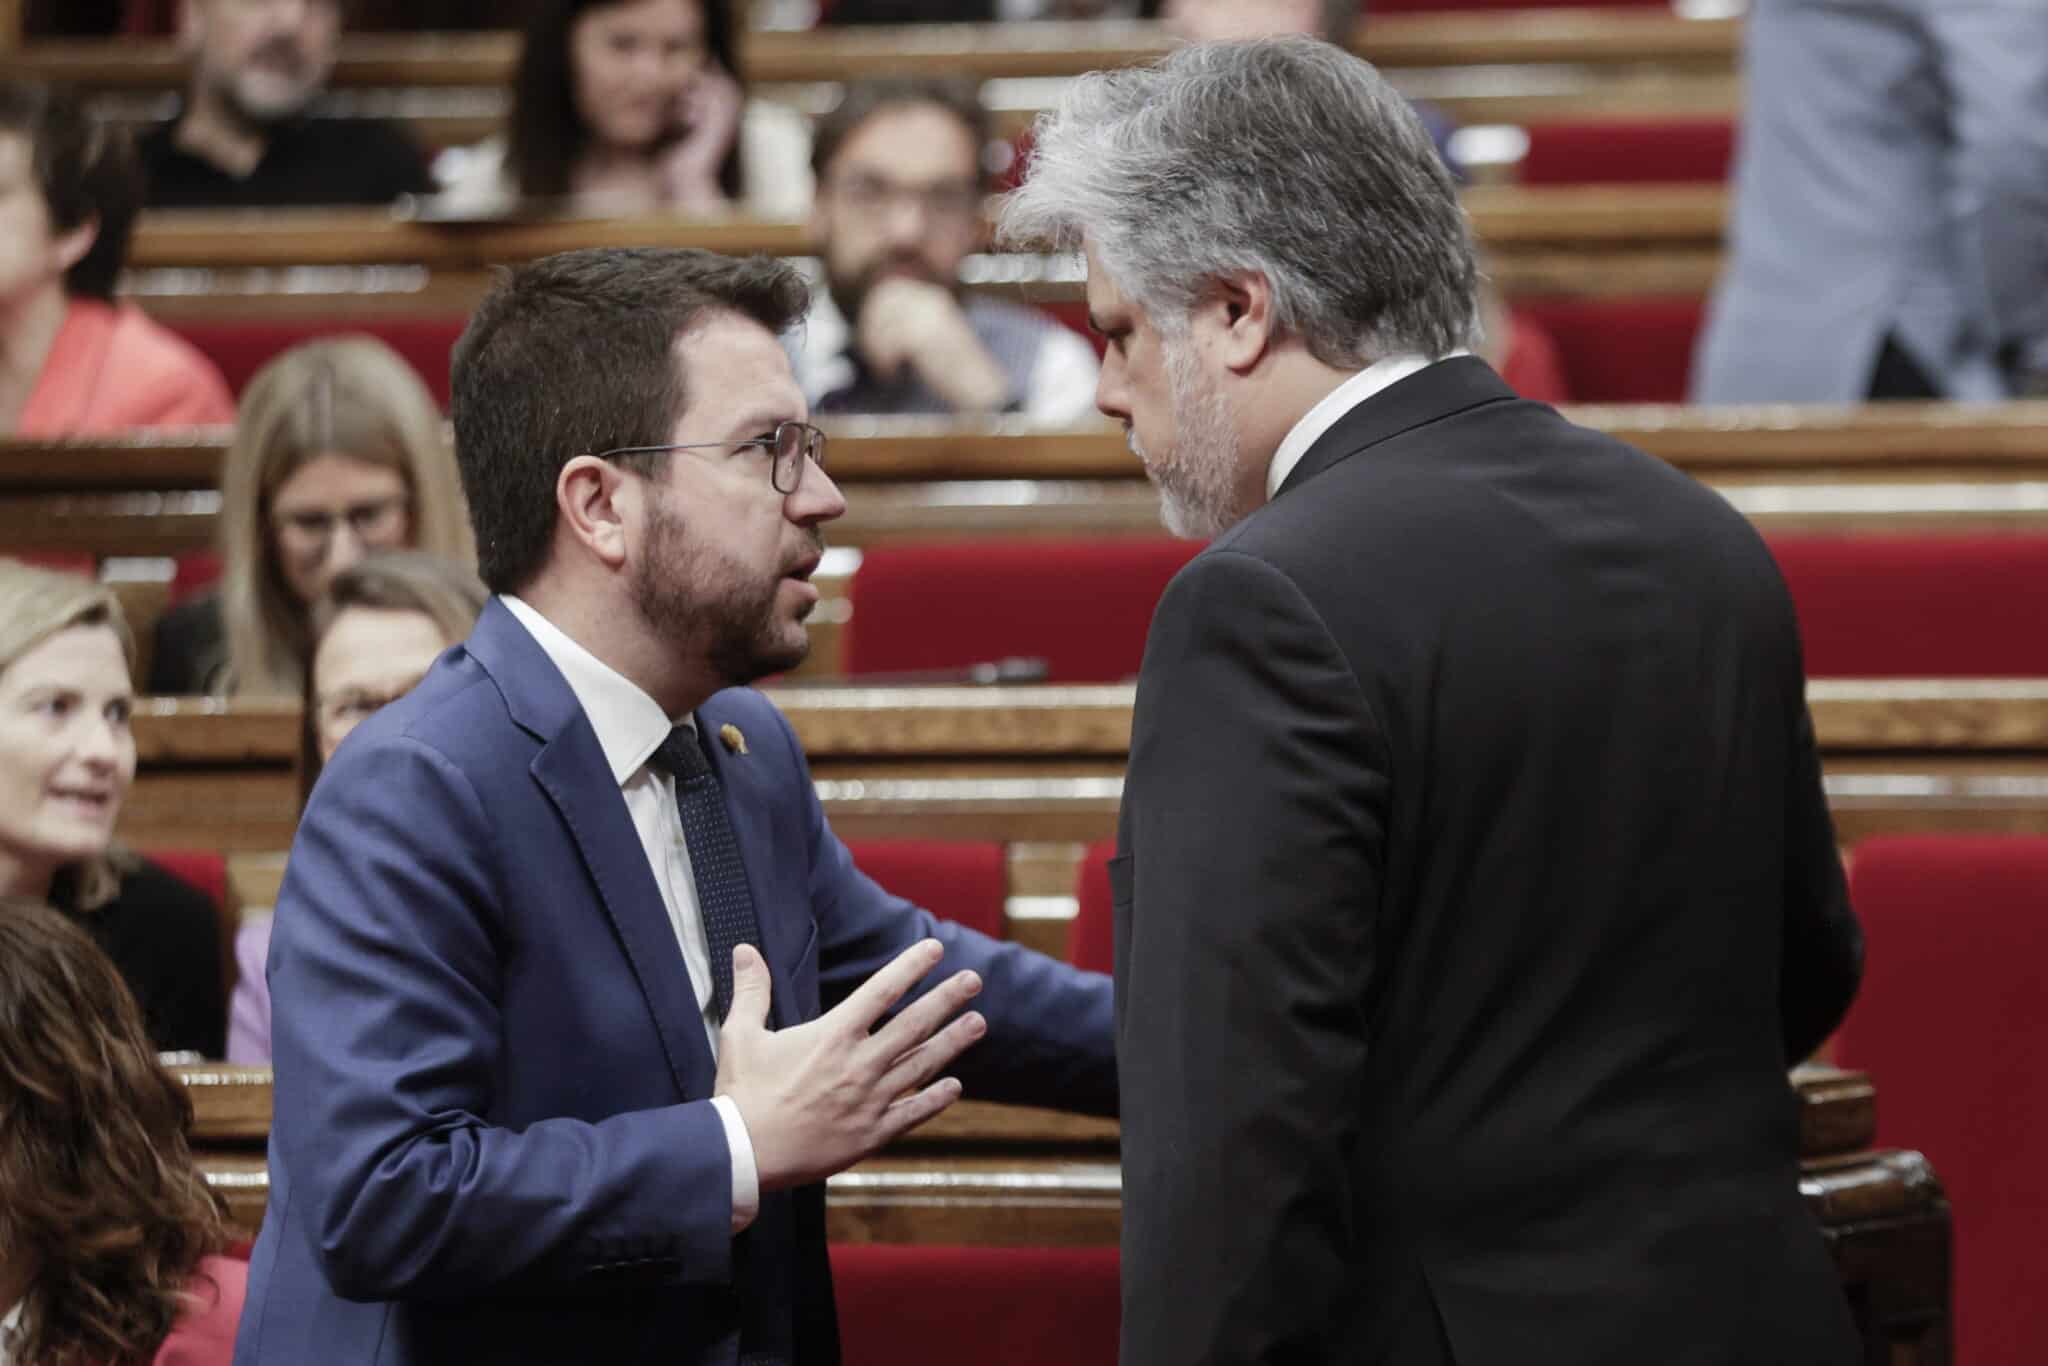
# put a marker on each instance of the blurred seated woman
(624, 107)
(109, 1235)
(73, 362)
(340, 450)
(375, 634)
(67, 756)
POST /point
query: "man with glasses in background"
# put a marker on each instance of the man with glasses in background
(901, 177)
(576, 998)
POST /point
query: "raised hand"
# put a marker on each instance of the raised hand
(820, 1096)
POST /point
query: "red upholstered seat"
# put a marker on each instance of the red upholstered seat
(1920, 606)
(241, 347)
(1629, 152)
(957, 880)
(1626, 349)
(204, 869)
(910, 1305)
(1082, 606)
(1092, 942)
(194, 574)
(1949, 1025)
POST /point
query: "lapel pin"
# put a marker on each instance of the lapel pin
(735, 742)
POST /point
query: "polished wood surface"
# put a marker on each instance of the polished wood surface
(1621, 41)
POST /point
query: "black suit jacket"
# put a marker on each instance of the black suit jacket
(1476, 889)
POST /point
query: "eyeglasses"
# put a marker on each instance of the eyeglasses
(377, 521)
(791, 444)
(343, 712)
(951, 202)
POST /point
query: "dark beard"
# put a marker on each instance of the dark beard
(699, 601)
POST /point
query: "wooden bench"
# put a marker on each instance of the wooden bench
(987, 1174)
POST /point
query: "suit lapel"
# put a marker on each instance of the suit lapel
(1429, 395)
(571, 769)
(751, 793)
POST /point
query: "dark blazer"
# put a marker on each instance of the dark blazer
(190, 654)
(493, 1136)
(1476, 889)
(164, 936)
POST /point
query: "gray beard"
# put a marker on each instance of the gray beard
(1197, 479)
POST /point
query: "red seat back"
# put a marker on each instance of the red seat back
(203, 869)
(1082, 606)
(241, 347)
(1092, 943)
(1630, 152)
(958, 880)
(1919, 606)
(913, 1305)
(1949, 1024)
(1625, 349)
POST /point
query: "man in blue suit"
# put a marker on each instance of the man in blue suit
(577, 998)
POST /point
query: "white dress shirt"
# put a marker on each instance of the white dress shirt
(630, 726)
(1382, 374)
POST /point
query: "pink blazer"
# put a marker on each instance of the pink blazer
(111, 369)
(204, 1334)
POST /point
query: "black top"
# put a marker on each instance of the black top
(309, 162)
(164, 936)
(190, 656)
(1478, 888)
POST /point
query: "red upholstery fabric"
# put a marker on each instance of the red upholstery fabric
(204, 869)
(63, 561)
(1626, 152)
(960, 881)
(1919, 606)
(242, 347)
(1092, 943)
(1082, 606)
(1623, 349)
(194, 574)
(1949, 1025)
(909, 1305)
(1533, 366)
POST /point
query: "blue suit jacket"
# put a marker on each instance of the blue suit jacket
(493, 1139)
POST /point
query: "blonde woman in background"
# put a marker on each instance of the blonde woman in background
(339, 450)
(67, 757)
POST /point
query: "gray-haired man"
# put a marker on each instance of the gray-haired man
(1476, 883)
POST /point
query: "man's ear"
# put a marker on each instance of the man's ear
(600, 506)
(70, 247)
(1241, 310)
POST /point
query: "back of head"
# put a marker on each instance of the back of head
(576, 355)
(1285, 157)
(87, 173)
(98, 1192)
(351, 396)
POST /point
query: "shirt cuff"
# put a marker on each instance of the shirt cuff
(746, 1177)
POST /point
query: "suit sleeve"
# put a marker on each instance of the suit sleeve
(387, 962)
(1050, 1036)
(1253, 818)
(1823, 943)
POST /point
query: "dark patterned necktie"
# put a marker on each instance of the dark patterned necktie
(722, 894)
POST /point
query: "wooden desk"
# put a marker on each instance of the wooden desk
(988, 1174)
(1592, 42)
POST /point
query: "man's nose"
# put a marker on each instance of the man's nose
(817, 499)
(1110, 398)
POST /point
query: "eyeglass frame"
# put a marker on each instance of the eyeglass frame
(956, 202)
(316, 526)
(811, 452)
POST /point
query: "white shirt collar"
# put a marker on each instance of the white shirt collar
(630, 725)
(820, 350)
(1381, 374)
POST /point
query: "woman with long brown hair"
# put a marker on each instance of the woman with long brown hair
(339, 450)
(109, 1236)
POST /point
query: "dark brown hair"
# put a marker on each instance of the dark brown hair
(574, 355)
(865, 99)
(391, 581)
(97, 1182)
(88, 173)
(546, 136)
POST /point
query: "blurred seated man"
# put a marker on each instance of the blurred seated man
(246, 135)
(900, 184)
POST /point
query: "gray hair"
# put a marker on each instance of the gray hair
(1284, 157)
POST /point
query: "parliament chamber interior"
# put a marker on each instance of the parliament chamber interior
(984, 601)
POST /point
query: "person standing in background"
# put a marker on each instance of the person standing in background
(1475, 884)
(1890, 229)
